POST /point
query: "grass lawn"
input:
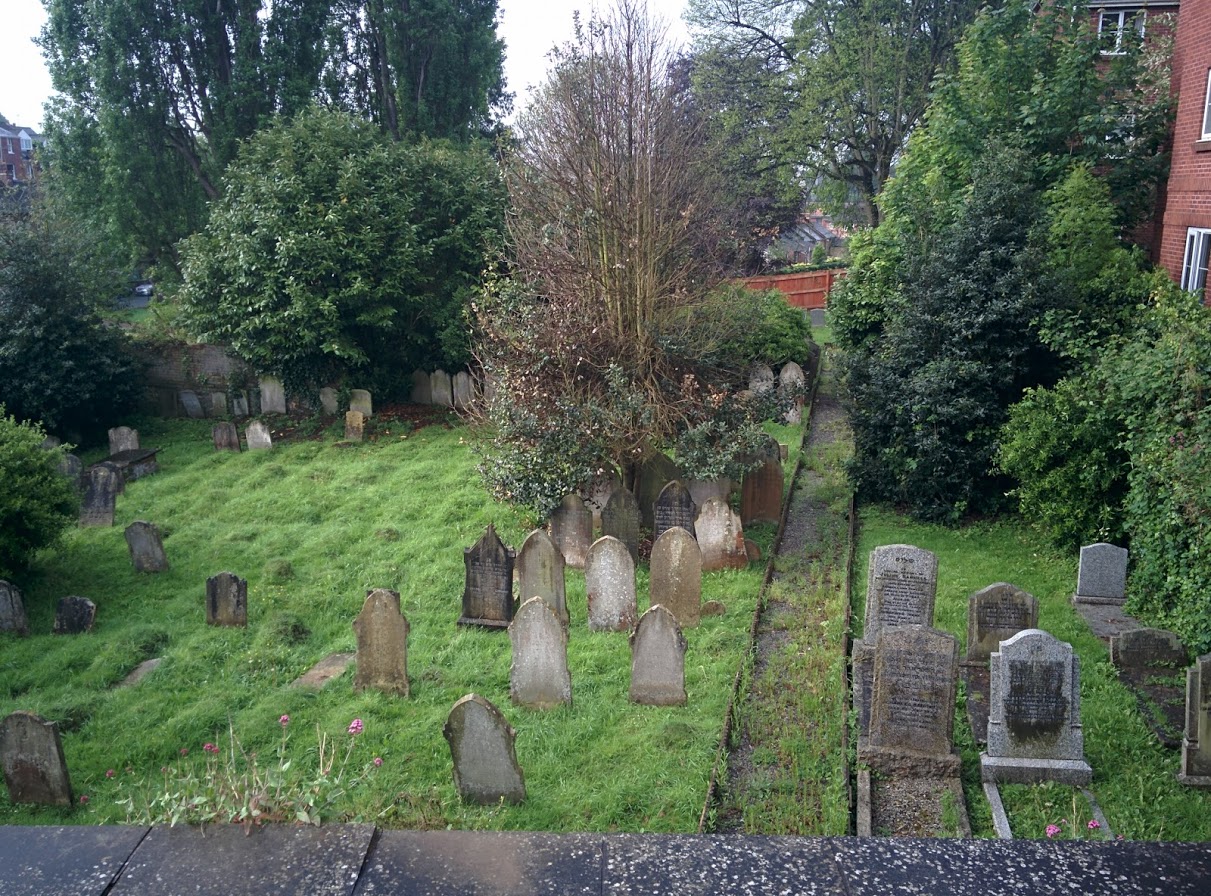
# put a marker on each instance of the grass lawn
(313, 527)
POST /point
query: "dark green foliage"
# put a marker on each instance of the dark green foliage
(736, 327)
(36, 502)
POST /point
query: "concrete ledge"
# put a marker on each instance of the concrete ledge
(1004, 770)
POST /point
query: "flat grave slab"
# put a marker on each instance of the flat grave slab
(63, 861)
(135, 463)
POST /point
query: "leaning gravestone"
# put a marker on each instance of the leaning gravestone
(257, 436)
(361, 401)
(538, 675)
(34, 768)
(901, 586)
(100, 497)
(673, 507)
(12, 609)
(540, 573)
(791, 383)
(761, 379)
(488, 589)
(273, 396)
(720, 536)
(676, 579)
(123, 438)
(227, 600)
(651, 476)
(355, 426)
(441, 389)
(1102, 575)
(422, 388)
(996, 614)
(1196, 744)
(761, 488)
(658, 660)
(572, 530)
(382, 645)
(74, 615)
(620, 518)
(485, 760)
(328, 400)
(146, 547)
(609, 580)
(192, 404)
(463, 389)
(1148, 648)
(1034, 713)
(225, 437)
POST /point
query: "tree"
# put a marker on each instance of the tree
(37, 502)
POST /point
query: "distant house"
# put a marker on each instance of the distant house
(795, 244)
(17, 163)
(1117, 21)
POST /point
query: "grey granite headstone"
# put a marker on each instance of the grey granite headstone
(226, 437)
(540, 573)
(361, 401)
(761, 379)
(720, 536)
(463, 390)
(257, 436)
(1148, 648)
(791, 383)
(996, 614)
(488, 589)
(328, 401)
(101, 486)
(441, 389)
(74, 615)
(620, 518)
(273, 395)
(572, 529)
(651, 476)
(761, 488)
(422, 388)
(485, 760)
(192, 404)
(1034, 713)
(123, 438)
(12, 609)
(901, 586)
(239, 404)
(382, 645)
(34, 768)
(227, 600)
(146, 547)
(1196, 743)
(658, 660)
(673, 507)
(72, 468)
(1102, 575)
(676, 576)
(538, 675)
(609, 579)
(355, 426)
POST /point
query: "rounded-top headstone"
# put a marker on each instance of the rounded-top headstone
(486, 771)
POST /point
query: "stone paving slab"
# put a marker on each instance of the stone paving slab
(67, 861)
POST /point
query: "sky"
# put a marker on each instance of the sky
(530, 29)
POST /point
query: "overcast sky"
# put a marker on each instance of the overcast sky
(529, 27)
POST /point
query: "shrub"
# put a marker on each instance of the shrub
(36, 502)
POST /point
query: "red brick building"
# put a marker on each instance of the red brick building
(17, 164)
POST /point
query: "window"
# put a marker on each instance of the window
(1114, 25)
(1194, 267)
(1207, 109)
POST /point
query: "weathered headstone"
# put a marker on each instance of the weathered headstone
(273, 396)
(12, 609)
(123, 438)
(1102, 575)
(996, 614)
(658, 660)
(422, 388)
(101, 487)
(651, 476)
(572, 530)
(761, 379)
(72, 468)
(673, 507)
(1196, 743)
(913, 704)
(218, 404)
(226, 437)
(485, 759)
(146, 547)
(597, 494)
(1148, 648)
(227, 600)
(441, 389)
(34, 768)
(720, 536)
(540, 573)
(620, 518)
(361, 401)
(382, 644)
(240, 406)
(901, 585)
(676, 576)
(1034, 713)
(355, 426)
(702, 490)
(488, 591)
(328, 401)
(74, 615)
(761, 488)
(463, 390)
(609, 579)
(791, 383)
(257, 436)
(192, 404)
(538, 675)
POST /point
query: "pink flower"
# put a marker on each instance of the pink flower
(84, 799)
(110, 773)
(184, 751)
(355, 727)
(209, 748)
(1093, 824)
(378, 761)
(1052, 830)
(284, 721)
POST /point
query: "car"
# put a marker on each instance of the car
(144, 289)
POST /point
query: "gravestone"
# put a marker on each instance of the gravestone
(676, 576)
(441, 389)
(34, 768)
(658, 660)
(609, 580)
(463, 388)
(761, 488)
(791, 384)
(571, 526)
(273, 395)
(227, 600)
(50, 442)
(422, 389)
(913, 703)
(1034, 713)
(328, 401)
(382, 645)
(226, 437)
(538, 675)
(146, 547)
(996, 614)
(191, 404)
(74, 615)
(239, 404)
(673, 507)
(620, 519)
(1148, 648)
(651, 476)
(720, 536)
(1196, 743)
(488, 591)
(355, 426)
(540, 573)
(485, 760)
(12, 609)
(702, 490)
(72, 468)
(257, 436)
(597, 494)
(218, 404)
(123, 438)
(101, 487)
(761, 379)
(1102, 575)
(361, 401)
(901, 585)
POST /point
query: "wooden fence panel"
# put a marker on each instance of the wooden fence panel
(807, 290)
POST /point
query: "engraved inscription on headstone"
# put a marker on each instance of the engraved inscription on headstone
(1148, 648)
(34, 768)
(901, 586)
(996, 614)
(673, 507)
(488, 590)
(651, 476)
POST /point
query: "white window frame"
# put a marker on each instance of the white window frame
(1207, 109)
(1115, 22)
(1195, 260)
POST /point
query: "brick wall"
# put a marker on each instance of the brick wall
(176, 366)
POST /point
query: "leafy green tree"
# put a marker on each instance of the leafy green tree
(37, 502)
(336, 250)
